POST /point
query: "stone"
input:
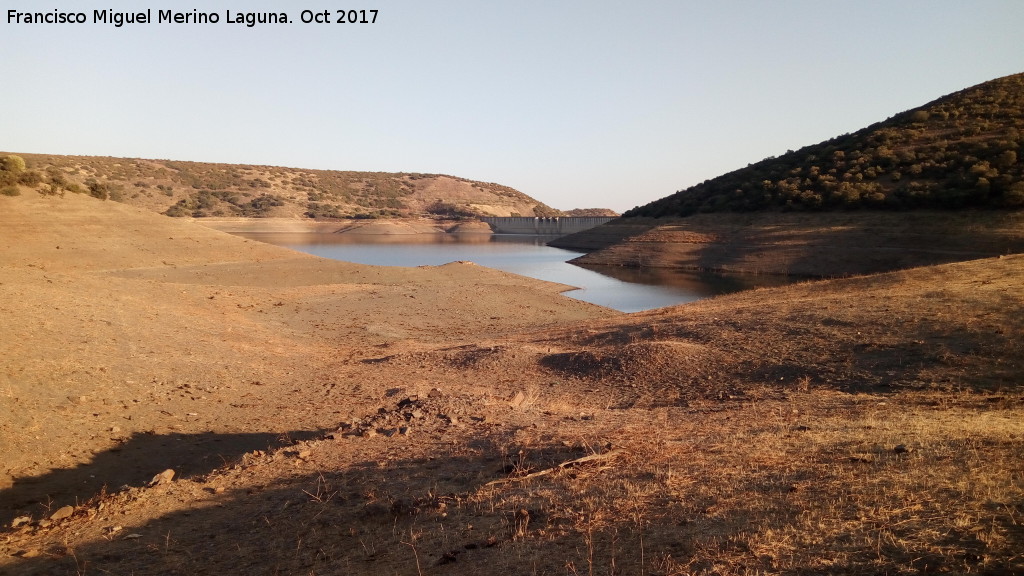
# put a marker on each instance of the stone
(20, 520)
(62, 513)
(902, 449)
(164, 477)
(517, 400)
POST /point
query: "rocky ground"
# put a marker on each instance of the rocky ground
(328, 418)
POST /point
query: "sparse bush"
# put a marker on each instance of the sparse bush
(30, 178)
(449, 210)
(13, 164)
(10, 191)
(1014, 196)
(98, 189)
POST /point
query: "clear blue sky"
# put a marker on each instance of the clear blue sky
(577, 103)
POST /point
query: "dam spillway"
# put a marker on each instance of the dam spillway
(544, 226)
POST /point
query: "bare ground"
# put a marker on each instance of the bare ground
(329, 418)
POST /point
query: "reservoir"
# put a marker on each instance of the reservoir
(623, 289)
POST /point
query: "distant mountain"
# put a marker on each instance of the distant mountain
(199, 189)
(962, 150)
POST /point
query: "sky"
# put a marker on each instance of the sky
(577, 103)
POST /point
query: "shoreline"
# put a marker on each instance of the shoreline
(390, 226)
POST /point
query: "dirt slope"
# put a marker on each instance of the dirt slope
(120, 323)
(328, 418)
(813, 245)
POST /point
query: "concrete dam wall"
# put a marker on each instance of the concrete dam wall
(559, 226)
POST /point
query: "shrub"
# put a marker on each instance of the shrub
(10, 191)
(13, 164)
(98, 189)
(30, 178)
(1014, 196)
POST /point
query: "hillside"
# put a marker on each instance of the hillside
(830, 244)
(322, 417)
(962, 150)
(199, 189)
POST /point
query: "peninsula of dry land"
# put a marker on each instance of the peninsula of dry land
(330, 418)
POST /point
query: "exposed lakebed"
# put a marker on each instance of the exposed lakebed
(623, 289)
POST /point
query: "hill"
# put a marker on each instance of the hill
(197, 189)
(962, 150)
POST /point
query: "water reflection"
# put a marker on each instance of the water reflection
(704, 283)
(623, 289)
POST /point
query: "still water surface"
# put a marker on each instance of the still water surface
(624, 289)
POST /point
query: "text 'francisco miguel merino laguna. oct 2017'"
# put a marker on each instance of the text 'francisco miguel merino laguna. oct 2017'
(150, 16)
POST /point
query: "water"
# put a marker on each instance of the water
(623, 289)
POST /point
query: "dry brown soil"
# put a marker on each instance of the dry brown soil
(818, 245)
(331, 418)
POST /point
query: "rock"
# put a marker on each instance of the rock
(902, 449)
(517, 400)
(62, 513)
(303, 454)
(369, 433)
(28, 553)
(435, 393)
(20, 520)
(404, 430)
(164, 477)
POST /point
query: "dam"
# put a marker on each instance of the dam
(544, 226)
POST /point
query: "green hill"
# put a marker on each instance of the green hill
(199, 189)
(964, 150)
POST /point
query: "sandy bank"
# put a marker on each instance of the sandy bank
(389, 227)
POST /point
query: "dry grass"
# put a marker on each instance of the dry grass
(873, 425)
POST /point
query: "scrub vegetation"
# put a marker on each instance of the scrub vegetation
(198, 190)
(965, 150)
